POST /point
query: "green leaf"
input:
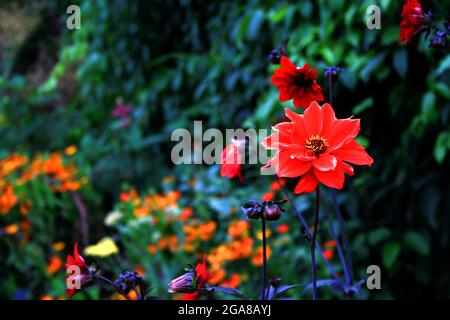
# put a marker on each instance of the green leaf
(363, 105)
(390, 254)
(378, 235)
(417, 242)
(401, 62)
(441, 147)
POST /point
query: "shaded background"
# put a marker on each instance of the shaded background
(179, 61)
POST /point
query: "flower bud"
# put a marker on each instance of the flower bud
(186, 283)
(272, 212)
(128, 280)
(252, 209)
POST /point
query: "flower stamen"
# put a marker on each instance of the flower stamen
(316, 144)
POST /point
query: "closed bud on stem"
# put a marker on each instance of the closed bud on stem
(186, 283)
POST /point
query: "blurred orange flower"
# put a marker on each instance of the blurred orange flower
(283, 228)
(238, 228)
(232, 282)
(55, 264)
(268, 196)
(257, 258)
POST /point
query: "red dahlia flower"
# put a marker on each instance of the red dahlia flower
(80, 275)
(316, 147)
(297, 83)
(231, 161)
(414, 20)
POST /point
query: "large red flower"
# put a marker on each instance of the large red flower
(231, 161)
(80, 275)
(297, 83)
(414, 20)
(316, 147)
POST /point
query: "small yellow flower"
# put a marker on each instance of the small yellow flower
(71, 150)
(105, 247)
(58, 246)
(259, 234)
(11, 229)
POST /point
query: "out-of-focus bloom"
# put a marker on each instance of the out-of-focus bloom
(113, 218)
(257, 259)
(203, 231)
(152, 249)
(283, 228)
(11, 229)
(58, 246)
(275, 185)
(80, 276)
(71, 150)
(328, 254)
(414, 20)
(186, 214)
(259, 234)
(333, 72)
(8, 199)
(238, 228)
(141, 211)
(297, 83)
(169, 242)
(275, 55)
(104, 248)
(439, 40)
(231, 161)
(233, 282)
(216, 276)
(46, 297)
(126, 196)
(123, 112)
(268, 196)
(55, 264)
(316, 147)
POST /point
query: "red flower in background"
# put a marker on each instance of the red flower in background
(80, 275)
(297, 83)
(202, 278)
(414, 20)
(316, 147)
(231, 161)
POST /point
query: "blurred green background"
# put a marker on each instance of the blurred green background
(179, 61)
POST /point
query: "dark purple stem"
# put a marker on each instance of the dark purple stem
(339, 248)
(83, 217)
(313, 243)
(348, 253)
(308, 230)
(264, 267)
(106, 280)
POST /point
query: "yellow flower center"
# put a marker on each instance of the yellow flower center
(316, 144)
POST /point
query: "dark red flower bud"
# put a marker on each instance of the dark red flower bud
(272, 212)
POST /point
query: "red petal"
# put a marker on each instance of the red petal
(342, 132)
(354, 153)
(328, 118)
(313, 119)
(333, 178)
(307, 183)
(291, 168)
(325, 162)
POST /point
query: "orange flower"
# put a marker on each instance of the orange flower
(283, 228)
(241, 249)
(141, 212)
(268, 196)
(139, 270)
(259, 234)
(25, 224)
(8, 199)
(216, 276)
(126, 196)
(328, 254)
(238, 228)
(206, 230)
(330, 244)
(58, 246)
(55, 264)
(257, 258)
(46, 297)
(232, 282)
(71, 150)
(152, 248)
(11, 229)
(186, 214)
(275, 185)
